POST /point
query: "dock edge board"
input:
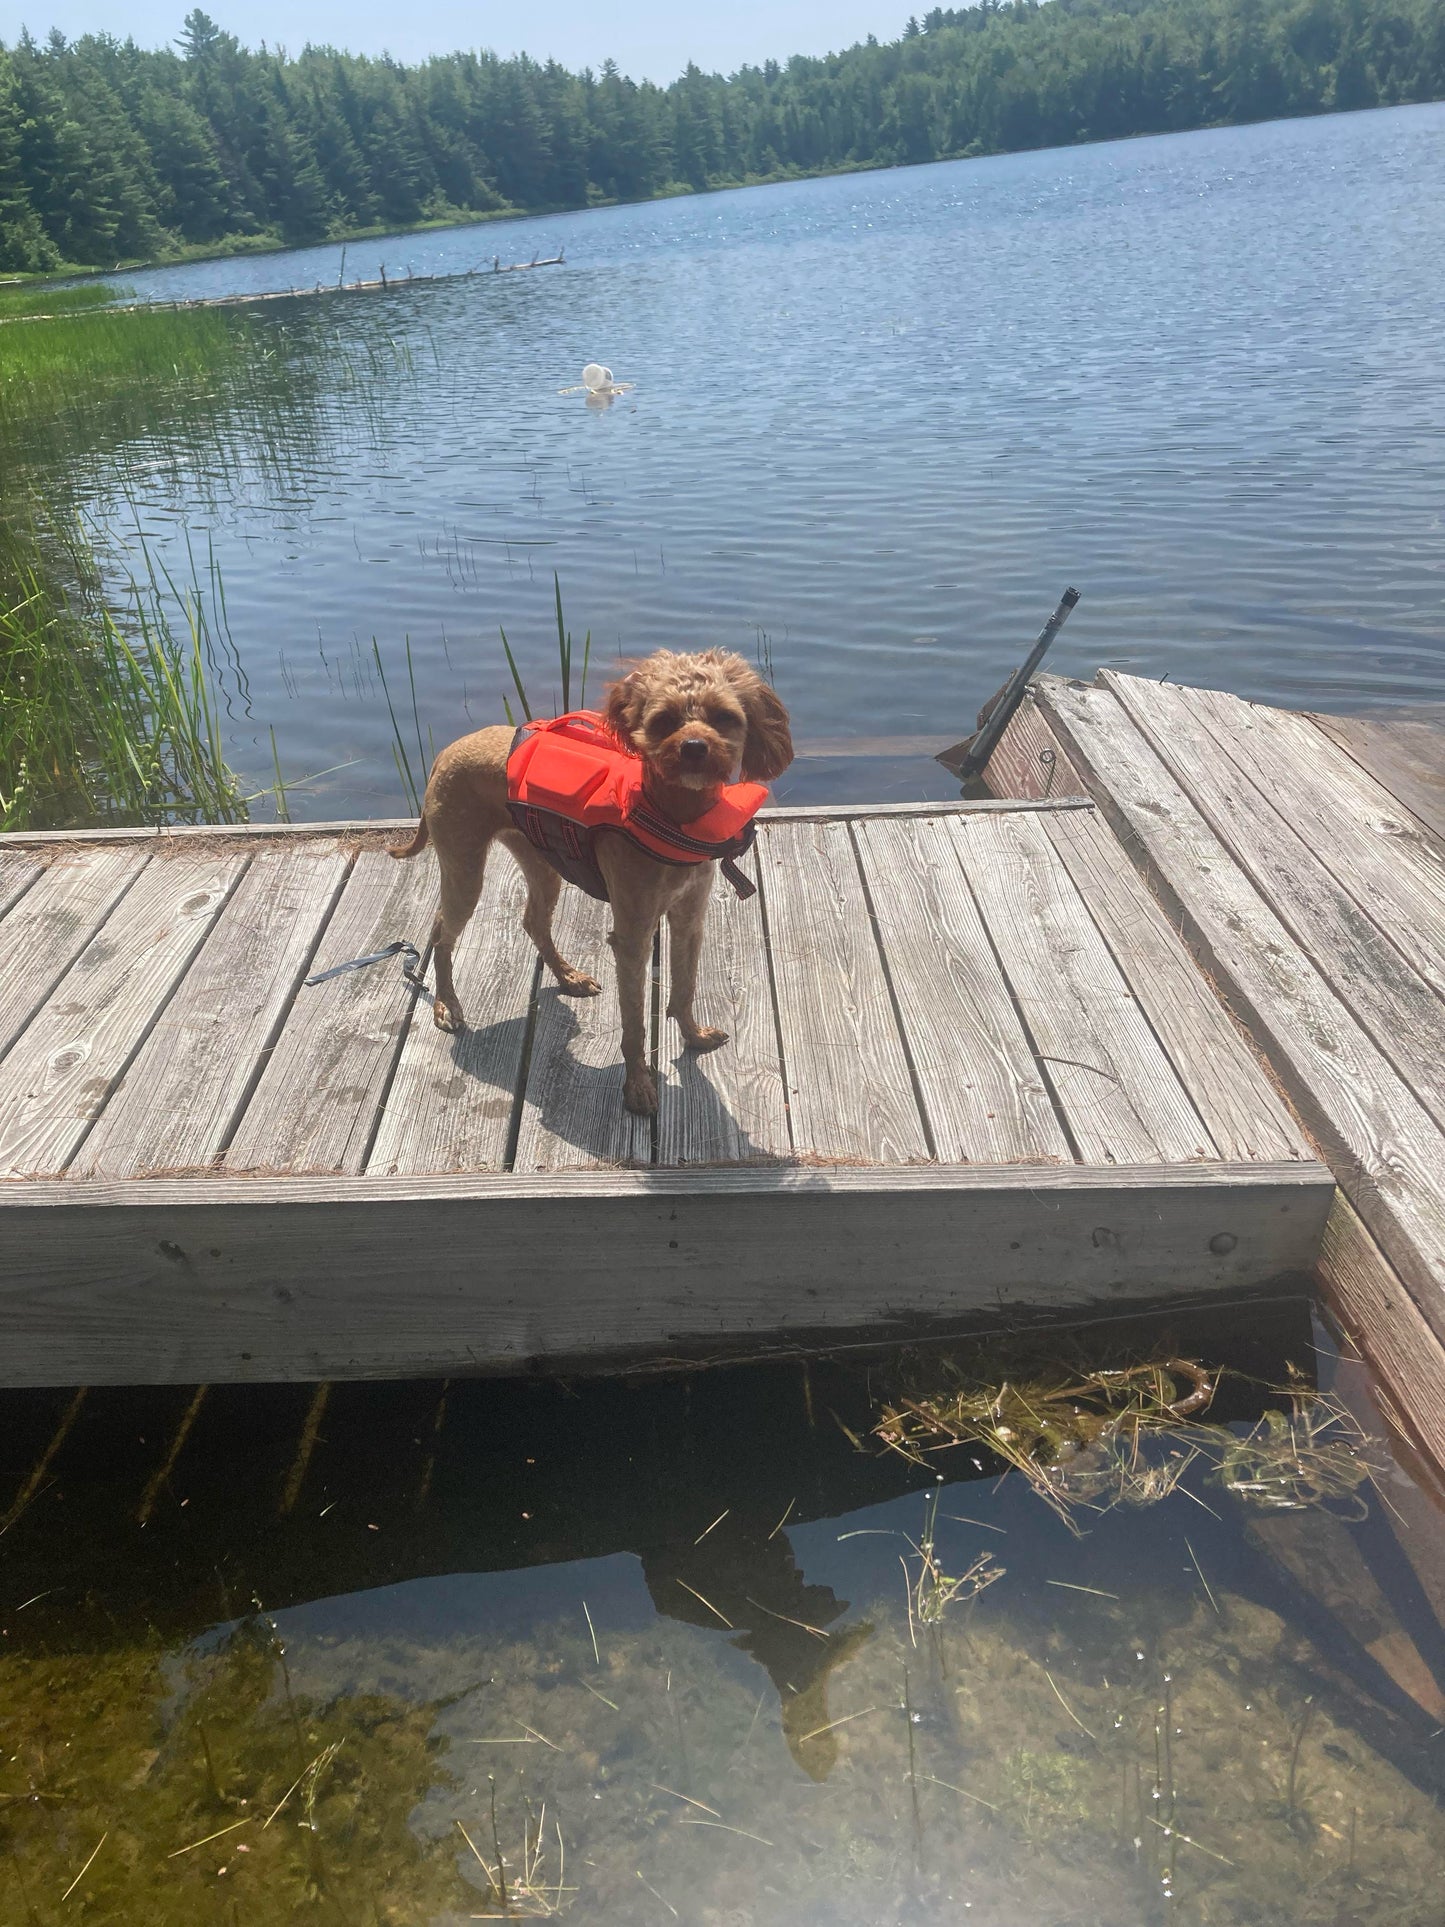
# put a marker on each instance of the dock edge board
(185, 1281)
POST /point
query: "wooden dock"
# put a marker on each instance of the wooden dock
(1302, 859)
(974, 1076)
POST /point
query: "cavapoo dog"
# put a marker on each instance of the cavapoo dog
(698, 723)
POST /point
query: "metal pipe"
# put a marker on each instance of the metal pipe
(984, 743)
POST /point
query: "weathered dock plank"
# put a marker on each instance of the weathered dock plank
(451, 1102)
(1371, 1302)
(320, 1093)
(878, 1148)
(572, 1113)
(1373, 849)
(206, 1280)
(1386, 1148)
(1120, 1094)
(1298, 874)
(1226, 1080)
(48, 925)
(17, 873)
(178, 1100)
(984, 1095)
(850, 1094)
(726, 1106)
(1404, 752)
(79, 1043)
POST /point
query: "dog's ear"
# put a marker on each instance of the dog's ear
(623, 703)
(769, 747)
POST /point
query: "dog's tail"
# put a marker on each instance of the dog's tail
(417, 844)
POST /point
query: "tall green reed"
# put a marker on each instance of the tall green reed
(109, 712)
(414, 777)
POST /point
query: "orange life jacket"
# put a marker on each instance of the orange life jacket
(568, 781)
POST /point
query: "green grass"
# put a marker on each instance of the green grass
(38, 298)
(113, 369)
(109, 713)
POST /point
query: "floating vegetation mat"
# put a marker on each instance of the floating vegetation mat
(1090, 1440)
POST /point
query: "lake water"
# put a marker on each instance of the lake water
(668, 1651)
(879, 423)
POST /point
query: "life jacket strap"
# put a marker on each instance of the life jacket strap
(739, 879)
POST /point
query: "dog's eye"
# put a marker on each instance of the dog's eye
(723, 720)
(664, 722)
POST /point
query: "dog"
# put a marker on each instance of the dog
(699, 722)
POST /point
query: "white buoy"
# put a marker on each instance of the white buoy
(598, 386)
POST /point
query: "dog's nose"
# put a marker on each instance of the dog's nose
(694, 751)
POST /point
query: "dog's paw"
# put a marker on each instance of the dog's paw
(447, 1018)
(639, 1093)
(575, 984)
(705, 1038)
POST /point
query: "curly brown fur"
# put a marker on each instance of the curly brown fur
(698, 722)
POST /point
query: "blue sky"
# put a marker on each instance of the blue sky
(649, 39)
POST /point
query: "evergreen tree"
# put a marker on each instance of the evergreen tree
(109, 151)
(24, 245)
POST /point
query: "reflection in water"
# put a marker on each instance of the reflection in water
(645, 1650)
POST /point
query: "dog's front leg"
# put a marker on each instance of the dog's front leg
(632, 947)
(685, 926)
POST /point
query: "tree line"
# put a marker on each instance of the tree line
(111, 152)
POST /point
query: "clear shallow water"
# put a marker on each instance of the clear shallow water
(664, 1626)
(879, 422)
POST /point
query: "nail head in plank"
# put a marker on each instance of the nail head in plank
(51, 924)
(316, 1104)
(171, 1281)
(1394, 1004)
(728, 1105)
(451, 1102)
(985, 1100)
(179, 1097)
(850, 1093)
(60, 1074)
(572, 1111)
(1216, 1064)
(1387, 1152)
(1121, 1096)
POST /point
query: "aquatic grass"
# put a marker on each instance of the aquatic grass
(110, 713)
(413, 782)
(45, 300)
(1093, 1440)
(413, 776)
(1312, 1455)
(110, 363)
(932, 1590)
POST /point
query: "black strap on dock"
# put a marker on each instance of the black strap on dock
(410, 968)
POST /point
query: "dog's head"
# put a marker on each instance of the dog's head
(700, 720)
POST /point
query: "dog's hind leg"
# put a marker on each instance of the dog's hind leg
(543, 888)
